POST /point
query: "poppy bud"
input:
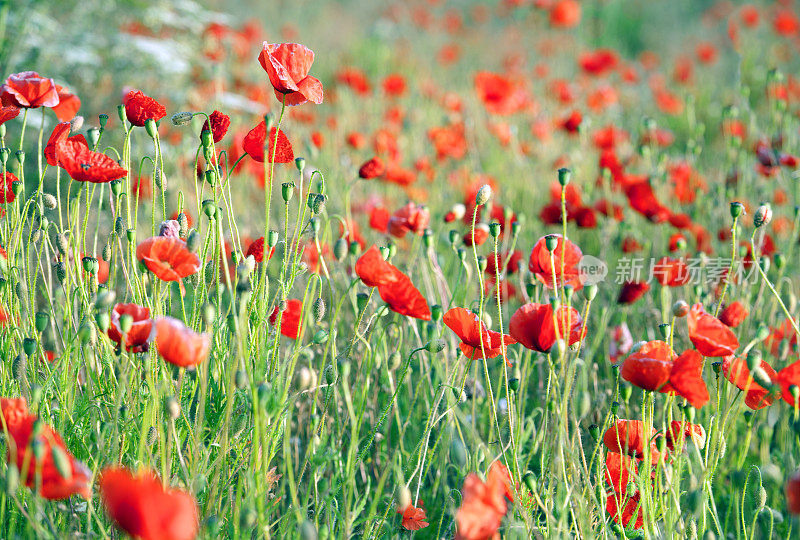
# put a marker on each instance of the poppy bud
(205, 137)
(103, 321)
(680, 309)
(181, 118)
(49, 201)
(12, 478)
(300, 163)
(453, 237)
(61, 271)
(482, 262)
(737, 209)
(318, 309)
(210, 177)
(795, 391)
(690, 413)
(86, 333)
(5, 153)
(513, 384)
(20, 155)
(319, 337)
(626, 392)
(780, 260)
(209, 314)
(41, 321)
(121, 113)
(240, 379)
(316, 226)
(462, 254)
(16, 187)
(483, 195)
(354, 248)
(530, 481)
(172, 407)
(151, 127)
(568, 292)
(394, 360)
(551, 242)
(287, 190)
(88, 265)
(93, 136)
(340, 249)
(308, 531)
(272, 238)
(436, 346)
(762, 216)
(458, 454)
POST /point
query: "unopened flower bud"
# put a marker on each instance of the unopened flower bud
(737, 209)
(762, 216)
(483, 195)
(680, 309)
(181, 118)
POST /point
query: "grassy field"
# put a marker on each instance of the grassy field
(371, 269)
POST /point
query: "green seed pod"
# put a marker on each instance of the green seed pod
(93, 136)
(614, 408)
(494, 229)
(665, 330)
(300, 163)
(361, 301)
(131, 235)
(594, 431)
(209, 208)
(564, 176)
(529, 479)
(320, 336)
(287, 191)
(737, 209)
(41, 319)
(353, 249)
(625, 392)
(29, 346)
(458, 453)
(20, 155)
(436, 313)
(103, 321)
(340, 248)
(86, 334)
(780, 261)
(551, 242)
(116, 187)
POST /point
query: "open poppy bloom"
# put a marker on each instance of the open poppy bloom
(7, 113)
(629, 438)
(7, 180)
(542, 264)
(409, 218)
(642, 198)
(140, 108)
(653, 367)
(403, 298)
(256, 249)
(625, 510)
(483, 504)
(291, 318)
(60, 133)
(42, 473)
(141, 506)
(180, 345)
(218, 124)
(68, 104)
(373, 270)
(631, 291)
(254, 143)
(372, 168)
(287, 65)
(733, 315)
(709, 335)
(168, 258)
(29, 90)
(533, 325)
(413, 518)
(736, 371)
(140, 334)
(678, 431)
(476, 340)
(85, 165)
(619, 469)
(499, 94)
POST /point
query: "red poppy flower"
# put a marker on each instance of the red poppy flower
(494, 264)
(180, 345)
(678, 431)
(572, 122)
(373, 270)
(483, 505)
(168, 258)
(565, 14)
(68, 104)
(140, 108)
(7, 180)
(394, 85)
(218, 123)
(253, 144)
(736, 371)
(619, 469)
(413, 518)
(291, 318)
(629, 438)
(733, 315)
(649, 367)
(631, 291)
(403, 297)
(141, 506)
(42, 473)
(709, 335)
(372, 168)
(355, 79)
(477, 236)
(793, 493)
(625, 514)
(477, 342)
(29, 90)
(7, 113)
(533, 325)
(60, 133)
(379, 218)
(599, 62)
(256, 249)
(541, 266)
(672, 272)
(85, 165)
(686, 378)
(140, 335)
(287, 65)
(642, 199)
(500, 95)
(409, 218)
(787, 378)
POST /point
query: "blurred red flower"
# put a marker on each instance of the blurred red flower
(541, 265)
(737, 372)
(287, 65)
(168, 258)
(140, 335)
(68, 104)
(291, 318)
(180, 345)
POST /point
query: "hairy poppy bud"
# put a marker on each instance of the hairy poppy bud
(762, 216)
(340, 248)
(458, 453)
(319, 337)
(564, 176)
(181, 118)
(680, 309)
(436, 346)
(103, 321)
(403, 497)
(205, 138)
(737, 209)
(394, 360)
(61, 271)
(49, 201)
(483, 195)
(151, 127)
(172, 407)
(209, 314)
(193, 240)
(318, 309)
